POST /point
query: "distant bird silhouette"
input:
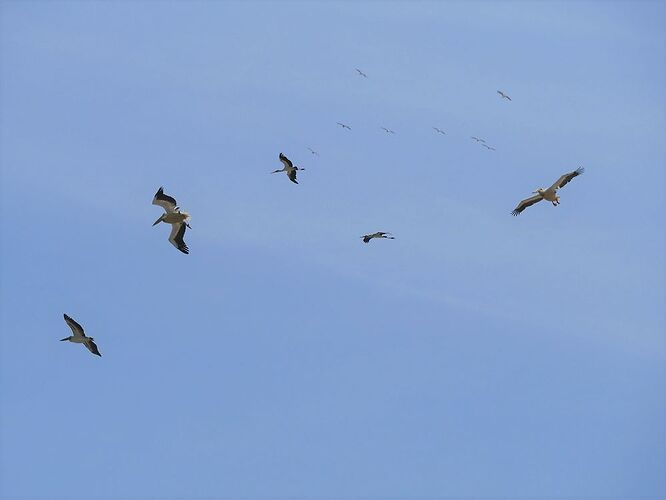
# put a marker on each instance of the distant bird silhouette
(388, 131)
(439, 130)
(344, 126)
(379, 234)
(289, 168)
(478, 140)
(503, 95)
(313, 151)
(361, 73)
(79, 336)
(488, 147)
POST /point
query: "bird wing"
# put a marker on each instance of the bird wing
(528, 202)
(366, 238)
(286, 161)
(566, 178)
(92, 347)
(292, 176)
(77, 329)
(176, 237)
(165, 201)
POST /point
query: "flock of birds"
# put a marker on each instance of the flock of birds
(180, 220)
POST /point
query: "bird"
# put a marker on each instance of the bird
(503, 95)
(478, 140)
(172, 215)
(488, 147)
(79, 336)
(313, 152)
(379, 234)
(344, 126)
(289, 168)
(361, 73)
(549, 194)
(439, 130)
(387, 130)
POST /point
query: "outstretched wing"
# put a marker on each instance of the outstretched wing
(165, 201)
(77, 329)
(176, 237)
(92, 347)
(292, 176)
(285, 161)
(527, 203)
(566, 178)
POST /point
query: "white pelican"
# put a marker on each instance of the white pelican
(387, 130)
(289, 168)
(549, 194)
(439, 130)
(172, 215)
(79, 336)
(378, 234)
(361, 73)
(344, 126)
(503, 95)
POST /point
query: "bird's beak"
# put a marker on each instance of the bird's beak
(157, 221)
(66, 338)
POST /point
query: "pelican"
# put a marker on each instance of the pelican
(361, 73)
(344, 126)
(172, 215)
(79, 336)
(478, 140)
(378, 234)
(313, 152)
(387, 130)
(289, 168)
(503, 95)
(439, 130)
(549, 194)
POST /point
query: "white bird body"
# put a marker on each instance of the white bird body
(549, 194)
(172, 215)
(79, 336)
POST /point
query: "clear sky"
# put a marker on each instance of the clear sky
(477, 355)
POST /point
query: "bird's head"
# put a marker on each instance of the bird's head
(539, 191)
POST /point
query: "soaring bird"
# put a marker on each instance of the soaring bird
(313, 152)
(289, 168)
(488, 147)
(503, 95)
(172, 215)
(344, 126)
(387, 130)
(439, 130)
(361, 73)
(378, 234)
(549, 194)
(79, 336)
(478, 140)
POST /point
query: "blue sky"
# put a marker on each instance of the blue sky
(477, 355)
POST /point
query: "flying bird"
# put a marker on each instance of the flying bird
(488, 147)
(378, 234)
(388, 131)
(361, 73)
(289, 168)
(172, 215)
(503, 95)
(478, 140)
(313, 152)
(344, 126)
(439, 130)
(79, 336)
(549, 194)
